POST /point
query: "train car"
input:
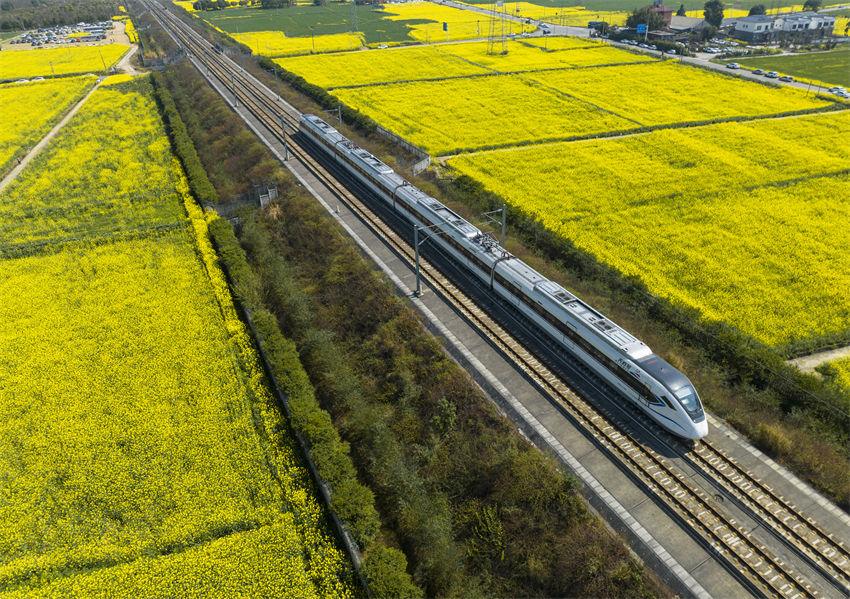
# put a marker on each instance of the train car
(615, 355)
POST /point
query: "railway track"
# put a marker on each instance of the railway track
(755, 565)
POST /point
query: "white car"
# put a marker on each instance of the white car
(836, 89)
(733, 65)
(842, 94)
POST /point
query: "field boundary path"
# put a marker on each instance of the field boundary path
(812, 361)
(124, 64)
(37, 148)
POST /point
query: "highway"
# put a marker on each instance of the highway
(766, 543)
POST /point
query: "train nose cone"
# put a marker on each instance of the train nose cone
(701, 429)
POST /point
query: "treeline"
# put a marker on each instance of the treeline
(16, 15)
(474, 508)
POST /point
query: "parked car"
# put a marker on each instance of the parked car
(772, 75)
(786, 78)
(758, 72)
(733, 65)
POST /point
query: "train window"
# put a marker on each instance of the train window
(688, 398)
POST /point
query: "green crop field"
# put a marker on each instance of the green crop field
(829, 67)
(303, 21)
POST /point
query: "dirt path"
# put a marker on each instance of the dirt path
(809, 363)
(13, 174)
(124, 64)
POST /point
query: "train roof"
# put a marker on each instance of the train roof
(613, 333)
(331, 133)
(661, 370)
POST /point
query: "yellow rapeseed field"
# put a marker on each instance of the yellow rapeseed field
(522, 57)
(607, 175)
(550, 42)
(226, 566)
(461, 114)
(665, 92)
(380, 66)
(560, 15)
(276, 43)
(105, 173)
(68, 60)
(427, 18)
(143, 452)
(416, 63)
(713, 217)
(29, 110)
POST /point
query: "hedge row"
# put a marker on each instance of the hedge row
(385, 568)
(184, 148)
(353, 117)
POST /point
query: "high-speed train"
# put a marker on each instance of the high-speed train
(621, 359)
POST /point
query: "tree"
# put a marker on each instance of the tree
(681, 12)
(713, 12)
(813, 5)
(646, 15)
(758, 9)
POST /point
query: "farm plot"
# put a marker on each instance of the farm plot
(759, 247)
(416, 63)
(30, 109)
(109, 172)
(380, 66)
(426, 21)
(522, 57)
(276, 43)
(15, 64)
(142, 452)
(832, 66)
(462, 114)
(661, 93)
(667, 165)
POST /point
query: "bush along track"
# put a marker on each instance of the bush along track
(351, 503)
(474, 508)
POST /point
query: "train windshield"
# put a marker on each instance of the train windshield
(687, 396)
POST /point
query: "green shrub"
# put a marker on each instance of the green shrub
(383, 568)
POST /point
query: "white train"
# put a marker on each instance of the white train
(624, 361)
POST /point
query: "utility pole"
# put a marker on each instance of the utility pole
(285, 143)
(233, 91)
(416, 244)
(502, 222)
